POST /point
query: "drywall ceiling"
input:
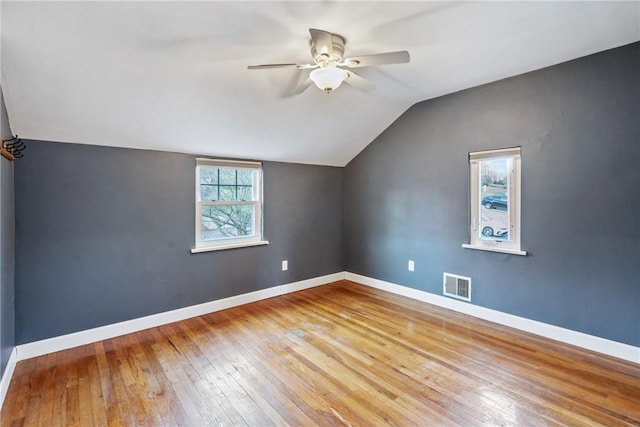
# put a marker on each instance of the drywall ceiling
(172, 75)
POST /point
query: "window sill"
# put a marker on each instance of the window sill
(495, 249)
(231, 246)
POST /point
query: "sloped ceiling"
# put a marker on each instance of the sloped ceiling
(172, 75)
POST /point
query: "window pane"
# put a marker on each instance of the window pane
(220, 184)
(208, 193)
(208, 175)
(219, 222)
(227, 193)
(208, 184)
(245, 177)
(245, 194)
(494, 200)
(227, 176)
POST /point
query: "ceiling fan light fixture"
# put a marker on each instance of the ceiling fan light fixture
(327, 51)
(328, 78)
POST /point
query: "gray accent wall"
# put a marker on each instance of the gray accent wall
(578, 123)
(104, 236)
(7, 243)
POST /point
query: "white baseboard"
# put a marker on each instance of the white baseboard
(50, 345)
(63, 342)
(7, 375)
(590, 342)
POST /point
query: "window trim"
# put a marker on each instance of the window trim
(232, 246)
(515, 197)
(231, 242)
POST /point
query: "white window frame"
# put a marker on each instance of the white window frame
(514, 197)
(231, 242)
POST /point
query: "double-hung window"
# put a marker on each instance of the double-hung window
(228, 204)
(495, 201)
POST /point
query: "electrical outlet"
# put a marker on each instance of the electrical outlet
(285, 265)
(411, 266)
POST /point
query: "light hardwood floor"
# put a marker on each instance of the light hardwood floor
(340, 354)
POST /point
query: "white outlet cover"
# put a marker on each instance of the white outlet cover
(285, 265)
(411, 266)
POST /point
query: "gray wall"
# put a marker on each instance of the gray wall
(104, 236)
(406, 195)
(7, 241)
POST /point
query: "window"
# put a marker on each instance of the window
(228, 204)
(495, 201)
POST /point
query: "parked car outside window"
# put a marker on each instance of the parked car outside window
(494, 228)
(495, 201)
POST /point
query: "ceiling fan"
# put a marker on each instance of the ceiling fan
(330, 69)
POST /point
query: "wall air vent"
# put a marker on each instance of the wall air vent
(456, 286)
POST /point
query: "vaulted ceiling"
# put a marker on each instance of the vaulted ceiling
(173, 75)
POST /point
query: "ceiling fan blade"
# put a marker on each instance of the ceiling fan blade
(267, 66)
(321, 41)
(301, 87)
(358, 82)
(307, 66)
(399, 57)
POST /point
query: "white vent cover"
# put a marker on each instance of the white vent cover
(456, 286)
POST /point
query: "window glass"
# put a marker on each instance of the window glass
(220, 222)
(495, 200)
(228, 202)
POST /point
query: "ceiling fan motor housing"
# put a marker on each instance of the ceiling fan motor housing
(324, 55)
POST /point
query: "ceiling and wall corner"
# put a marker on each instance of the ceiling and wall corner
(172, 75)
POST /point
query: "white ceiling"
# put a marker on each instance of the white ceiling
(172, 75)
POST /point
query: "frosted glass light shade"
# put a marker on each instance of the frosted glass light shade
(328, 78)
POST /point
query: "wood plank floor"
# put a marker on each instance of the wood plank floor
(340, 354)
